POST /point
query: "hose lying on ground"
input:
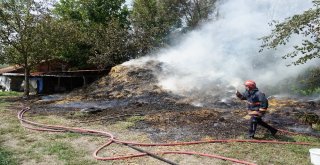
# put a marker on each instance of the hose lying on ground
(111, 140)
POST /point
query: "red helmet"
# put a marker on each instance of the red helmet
(250, 84)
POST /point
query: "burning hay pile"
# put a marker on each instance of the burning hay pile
(140, 83)
(124, 82)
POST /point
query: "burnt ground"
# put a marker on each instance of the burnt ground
(133, 91)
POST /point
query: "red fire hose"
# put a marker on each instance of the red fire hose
(111, 139)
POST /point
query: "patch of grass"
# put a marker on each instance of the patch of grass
(317, 126)
(129, 122)
(68, 135)
(10, 125)
(6, 157)
(65, 152)
(308, 139)
(267, 153)
(134, 119)
(33, 147)
(3, 104)
(121, 125)
(50, 120)
(10, 93)
(4, 131)
(33, 152)
(77, 114)
(297, 149)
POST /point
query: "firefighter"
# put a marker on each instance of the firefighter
(257, 106)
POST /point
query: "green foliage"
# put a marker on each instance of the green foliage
(70, 10)
(93, 11)
(153, 21)
(16, 33)
(306, 25)
(102, 11)
(95, 31)
(30, 34)
(102, 32)
(111, 44)
(308, 83)
(196, 12)
(3, 65)
(77, 54)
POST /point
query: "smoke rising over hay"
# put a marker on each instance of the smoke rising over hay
(224, 53)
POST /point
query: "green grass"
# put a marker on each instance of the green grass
(3, 104)
(29, 146)
(265, 154)
(10, 93)
(134, 119)
(64, 151)
(68, 135)
(6, 157)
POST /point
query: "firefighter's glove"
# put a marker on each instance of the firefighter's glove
(238, 94)
(262, 109)
(255, 113)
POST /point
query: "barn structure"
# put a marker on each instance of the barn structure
(48, 78)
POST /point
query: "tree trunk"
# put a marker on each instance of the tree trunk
(26, 81)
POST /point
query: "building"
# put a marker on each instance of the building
(48, 78)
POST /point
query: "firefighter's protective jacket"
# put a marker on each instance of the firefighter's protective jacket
(256, 99)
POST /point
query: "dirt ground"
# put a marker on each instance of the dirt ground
(176, 122)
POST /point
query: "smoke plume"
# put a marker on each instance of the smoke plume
(224, 53)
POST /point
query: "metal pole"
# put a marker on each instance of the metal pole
(150, 154)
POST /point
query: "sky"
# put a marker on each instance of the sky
(129, 2)
(225, 52)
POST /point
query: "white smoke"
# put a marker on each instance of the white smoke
(226, 51)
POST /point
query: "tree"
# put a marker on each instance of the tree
(307, 25)
(70, 10)
(29, 35)
(93, 11)
(112, 45)
(152, 21)
(103, 27)
(196, 12)
(17, 22)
